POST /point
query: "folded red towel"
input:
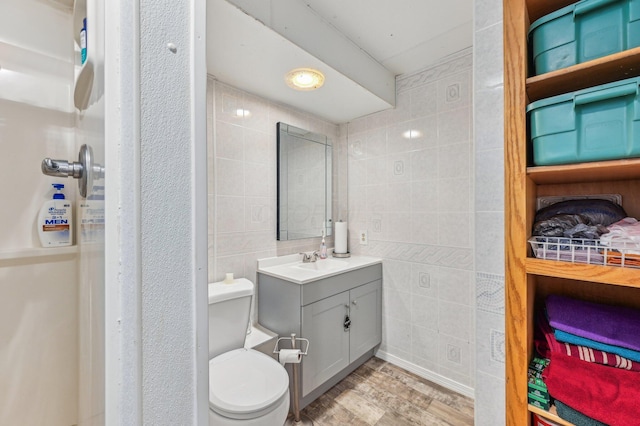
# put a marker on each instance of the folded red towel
(609, 395)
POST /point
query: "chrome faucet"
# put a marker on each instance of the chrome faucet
(308, 258)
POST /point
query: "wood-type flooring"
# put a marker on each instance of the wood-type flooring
(382, 394)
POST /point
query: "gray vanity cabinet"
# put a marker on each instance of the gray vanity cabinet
(366, 318)
(317, 311)
(323, 324)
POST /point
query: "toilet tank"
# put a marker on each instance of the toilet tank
(229, 309)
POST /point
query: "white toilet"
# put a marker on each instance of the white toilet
(246, 387)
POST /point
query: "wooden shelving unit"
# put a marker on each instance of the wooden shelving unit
(551, 415)
(529, 280)
(588, 74)
(586, 172)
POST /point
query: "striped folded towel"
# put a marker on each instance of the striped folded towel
(563, 336)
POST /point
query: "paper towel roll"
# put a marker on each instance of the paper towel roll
(289, 356)
(340, 239)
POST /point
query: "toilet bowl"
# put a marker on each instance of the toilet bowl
(246, 387)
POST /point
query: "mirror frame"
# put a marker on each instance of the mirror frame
(283, 197)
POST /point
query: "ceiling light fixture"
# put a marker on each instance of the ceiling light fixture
(412, 134)
(304, 79)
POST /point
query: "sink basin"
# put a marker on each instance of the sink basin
(324, 265)
(291, 268)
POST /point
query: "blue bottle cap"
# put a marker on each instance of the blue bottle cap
(58, 195)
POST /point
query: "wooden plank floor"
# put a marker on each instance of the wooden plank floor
(381, 394)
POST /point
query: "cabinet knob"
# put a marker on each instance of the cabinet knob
(355, 302)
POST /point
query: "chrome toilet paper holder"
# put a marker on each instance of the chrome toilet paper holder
(297, 419)
(293, 339)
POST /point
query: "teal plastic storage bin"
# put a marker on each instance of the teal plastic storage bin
(599, 123)
(584, 31)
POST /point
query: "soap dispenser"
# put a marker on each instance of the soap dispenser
(55, 227)
(323, 248)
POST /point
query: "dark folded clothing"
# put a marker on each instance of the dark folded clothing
(574, 416)
(612, 325)
(606, 394)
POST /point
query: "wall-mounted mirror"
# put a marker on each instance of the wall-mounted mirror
(304, 183)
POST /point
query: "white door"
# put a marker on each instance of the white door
(91, 295)
(90, 208)
(142, 297)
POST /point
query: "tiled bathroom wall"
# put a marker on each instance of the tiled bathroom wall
(489, 213)
(411, 191)
(242, 179)
(412, 188)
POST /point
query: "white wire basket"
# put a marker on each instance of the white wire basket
(582, 250)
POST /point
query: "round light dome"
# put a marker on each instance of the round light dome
(304, 79)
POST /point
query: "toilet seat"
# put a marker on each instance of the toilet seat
(245, 384)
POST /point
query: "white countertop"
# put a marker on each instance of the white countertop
(288, 267)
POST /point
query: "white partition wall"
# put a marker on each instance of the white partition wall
(156, 246)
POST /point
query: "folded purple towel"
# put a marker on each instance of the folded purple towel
(613, 325)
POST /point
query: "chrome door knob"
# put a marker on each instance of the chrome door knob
(62, 168)
(84, 169)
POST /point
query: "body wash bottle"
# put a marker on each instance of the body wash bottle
(55, 224)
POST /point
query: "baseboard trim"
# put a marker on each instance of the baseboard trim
(427, 374)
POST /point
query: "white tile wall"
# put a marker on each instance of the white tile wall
(414, 197)
(242, 179)
(489, 400)
(489, 212)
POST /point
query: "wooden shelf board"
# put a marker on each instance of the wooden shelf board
(551, 415)
(586, 172)
(610, 68)
(539, 8)
(628, 277)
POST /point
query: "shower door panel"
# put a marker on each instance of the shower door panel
(90, 226)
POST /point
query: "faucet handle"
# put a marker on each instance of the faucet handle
(315, 255)
(305, 257)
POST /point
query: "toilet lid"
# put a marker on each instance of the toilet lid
(245, 381)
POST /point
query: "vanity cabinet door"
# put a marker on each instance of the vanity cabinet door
(323, 325)
(365, 306)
